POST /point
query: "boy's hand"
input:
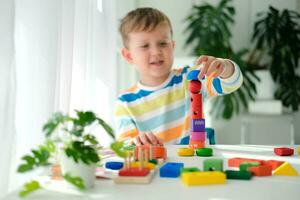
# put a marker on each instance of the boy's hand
(215, 67)
(146, 138)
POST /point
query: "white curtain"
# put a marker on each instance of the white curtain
(65, 59)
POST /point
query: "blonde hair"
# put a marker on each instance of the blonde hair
(142, 19)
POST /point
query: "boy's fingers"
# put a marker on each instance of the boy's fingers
(215, 68)
(201, 59)
(203, 69)
(160, 142)
(137, 141)
(152, 138)
(143, 138)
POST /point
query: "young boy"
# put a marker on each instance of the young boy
(157, 109)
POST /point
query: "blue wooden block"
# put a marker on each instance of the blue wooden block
(171, 170)
(114, 165)
(193, 75)
(198, 125)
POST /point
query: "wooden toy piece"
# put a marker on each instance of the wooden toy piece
(135, 179)
(198, 136)
(193, 75)
(205, 152)
(213, 164)
(170, 170)
(157, 151)
(195, 87)
(235, 162)
(134, 171)
(198, 125)
(298, 149)
(273, 163)
(285, 170)
(262, 170)
(196, 144)
(189, 170)
(147, 165)
(185, 152)
(239, 175)
(114, 165)
(196, 106)
(283, 151)
(245, 165)
(203, 178)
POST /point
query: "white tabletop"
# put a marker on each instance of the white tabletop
(273, 187)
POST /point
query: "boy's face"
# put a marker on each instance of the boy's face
(151, 53)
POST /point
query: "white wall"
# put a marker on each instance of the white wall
(228, 131)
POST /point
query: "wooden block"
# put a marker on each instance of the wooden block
(213, 164)
(203, 178)
(185, 152)
(135, 179)
(170, 170)
(196, 144)
(134, 171)
(262, 170)
(198, 125)
(235, 162)
(198, 136)
(283, 151)
(205, 152)
(195, 87)
(273, 163)
(245, 165)
(239, 175)
(285, 170)
(147, 165)
(114, 165)
(298, 150)
(158, 151)
(189, 170)
(193, 75)
(196, 106)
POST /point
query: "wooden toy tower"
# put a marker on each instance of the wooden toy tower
(197, 136)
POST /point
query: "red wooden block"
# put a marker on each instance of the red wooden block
(262, 170)
(283, 151)
(134, 171)
(235, 162)
(273, 163)
(196, 106)
(195, 86)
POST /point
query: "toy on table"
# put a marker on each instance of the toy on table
(284, 151)
(136, 172)
(197, 136)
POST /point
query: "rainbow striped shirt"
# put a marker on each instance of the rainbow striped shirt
(165, 110)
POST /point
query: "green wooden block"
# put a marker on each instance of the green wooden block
(213, 164)
(189, 169)
(154, 161)
(245, 165)
(240, 175)
(205, 152)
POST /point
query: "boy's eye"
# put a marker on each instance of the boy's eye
(163, 43)
(145, 46)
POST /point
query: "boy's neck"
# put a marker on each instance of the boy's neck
(150, 82)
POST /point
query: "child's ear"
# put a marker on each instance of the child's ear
(126, 55)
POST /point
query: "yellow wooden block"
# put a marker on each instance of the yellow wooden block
(203, 178)
(148, 165)
(298, 150)
(185, 152)
(285, 170)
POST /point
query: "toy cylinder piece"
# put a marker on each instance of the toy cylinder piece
(195, 87)
(197, 136)
(196, 100)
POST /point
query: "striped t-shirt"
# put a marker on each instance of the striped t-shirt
(165, 110)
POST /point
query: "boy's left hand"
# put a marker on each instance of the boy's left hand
(216, 67)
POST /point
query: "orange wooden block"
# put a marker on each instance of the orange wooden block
(262, 170)
(273, 163)
(235, 162)
(158, 151)
(197, 144)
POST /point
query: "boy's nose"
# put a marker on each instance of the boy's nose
(156, 51)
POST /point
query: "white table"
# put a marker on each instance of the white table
(274, 187)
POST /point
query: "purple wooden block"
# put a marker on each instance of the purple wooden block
(198, 125)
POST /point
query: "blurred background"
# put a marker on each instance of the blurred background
(61, 55)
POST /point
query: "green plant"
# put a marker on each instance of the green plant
(277, 35)
(209, 34)
(77, 141)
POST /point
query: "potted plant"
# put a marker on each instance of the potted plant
(71, 140)
(209, 33)
(277, 48)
